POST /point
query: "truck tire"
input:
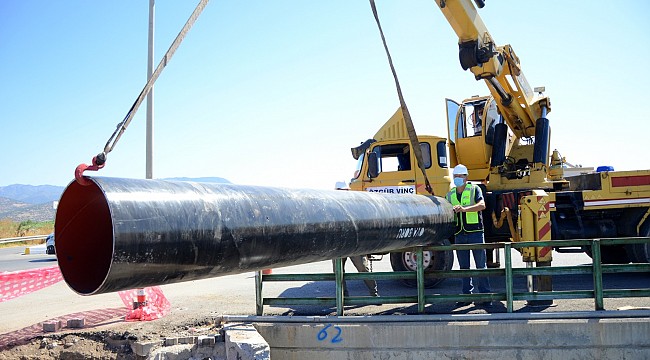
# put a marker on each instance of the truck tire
(433, 260)
(640, 253)
(613, 254)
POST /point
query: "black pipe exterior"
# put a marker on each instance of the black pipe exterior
(119, 234)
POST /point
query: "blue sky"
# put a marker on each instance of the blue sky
(276, 92)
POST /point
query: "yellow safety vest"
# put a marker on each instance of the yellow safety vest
(466, 221)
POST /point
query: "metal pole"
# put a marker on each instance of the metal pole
(598, 274)
(338, 271)
(509, 279)
(420, 279)
(529, 277)
(149, 131)
(259, 299)
(497, 256)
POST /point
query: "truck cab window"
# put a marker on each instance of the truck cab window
(441, 149)
(460, 130)
(474, 114)
(425, 148)
(393, 157)
(357, 171)
(470, 118)
(492, 119)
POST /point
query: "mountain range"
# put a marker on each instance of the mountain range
(31, 194)
(36, 202)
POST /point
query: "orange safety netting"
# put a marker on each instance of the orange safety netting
(156, 305)
(18, 283)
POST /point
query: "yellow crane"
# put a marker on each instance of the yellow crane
(504, 137)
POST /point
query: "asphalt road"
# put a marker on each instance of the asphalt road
(235, 294)
(12, 259)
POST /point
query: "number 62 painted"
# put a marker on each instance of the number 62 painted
(323, 335)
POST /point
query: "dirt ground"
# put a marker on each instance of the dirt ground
(195, 306)
(111, 340)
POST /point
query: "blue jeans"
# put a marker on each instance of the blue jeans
(479, 260)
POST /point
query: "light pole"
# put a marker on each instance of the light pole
(149, 132)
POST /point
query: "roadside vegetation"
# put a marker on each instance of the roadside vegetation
(9, 229)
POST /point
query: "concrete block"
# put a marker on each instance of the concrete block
(216, 352)
(206, 340)
(176, 352)
(32, 250)
(187, 340)
(188, 351)
(142, 348)
(52, 326)
(76, 323)
(219, 337)
(171, 341)
(244, 342)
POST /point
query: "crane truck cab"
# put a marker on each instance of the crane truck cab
(601, 204)
(387, 164)
(471, 127)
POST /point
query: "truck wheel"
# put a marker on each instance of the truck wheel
(631, 250)
(640, 253)
(613, 254)
(433, 260)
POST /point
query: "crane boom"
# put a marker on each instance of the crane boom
(498, 66)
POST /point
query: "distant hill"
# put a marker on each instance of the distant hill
(31, 194)
(20, 211)
(28, 202)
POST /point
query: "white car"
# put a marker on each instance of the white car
(49, 245)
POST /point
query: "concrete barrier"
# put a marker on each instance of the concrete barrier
(598, 335)
(244, 342)
(36, 249)
(234, 342)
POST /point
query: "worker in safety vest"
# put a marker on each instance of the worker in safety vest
(468, 203)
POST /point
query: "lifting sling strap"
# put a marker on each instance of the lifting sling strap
(410, 129)
(100, 159)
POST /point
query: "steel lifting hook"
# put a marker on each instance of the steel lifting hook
(98, 162)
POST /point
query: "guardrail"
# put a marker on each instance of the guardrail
(597, 269)
(22, 238)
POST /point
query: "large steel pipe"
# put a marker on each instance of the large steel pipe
(118, 234)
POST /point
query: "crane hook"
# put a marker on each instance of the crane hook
(98, 162)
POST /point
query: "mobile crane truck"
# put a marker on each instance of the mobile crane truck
(504, 140)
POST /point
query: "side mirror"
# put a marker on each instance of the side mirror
(373, 165)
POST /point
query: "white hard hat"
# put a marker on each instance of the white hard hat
(340, 185)
(460, 169)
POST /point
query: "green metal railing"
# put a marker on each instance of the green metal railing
(597, 269)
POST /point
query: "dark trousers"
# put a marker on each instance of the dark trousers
(479, 260)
